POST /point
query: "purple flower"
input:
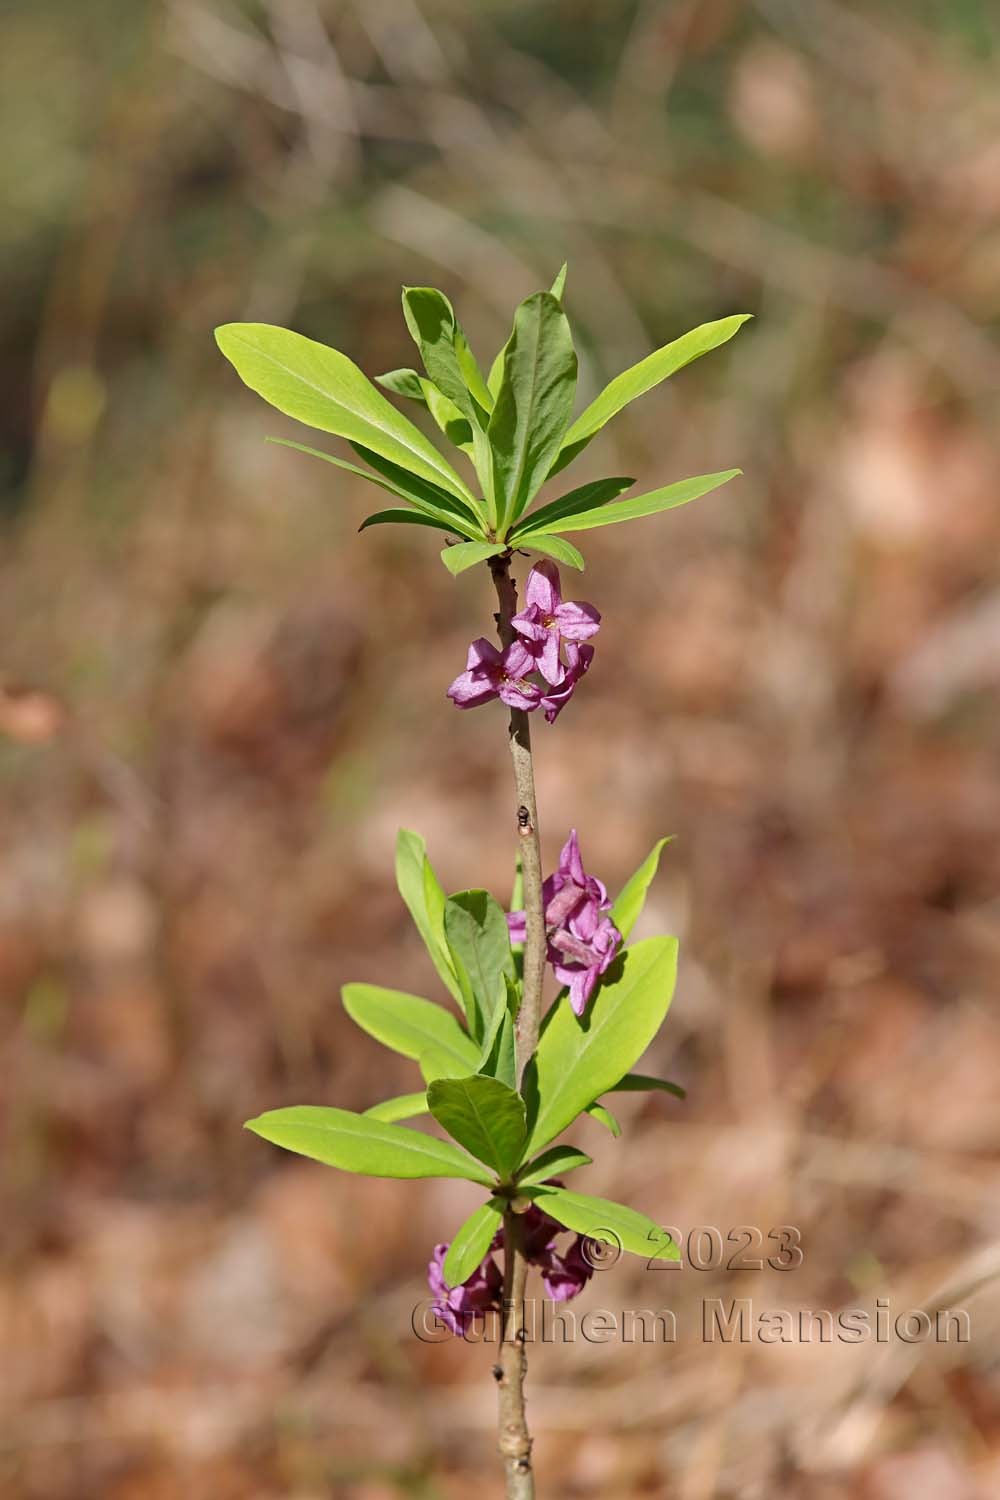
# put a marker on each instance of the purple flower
(578, 659)
(458, 1306)
(582, 939)
(492, 674)
(545, 622)
(563, 1276)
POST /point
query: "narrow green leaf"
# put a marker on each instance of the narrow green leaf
(555, 546)
(424, 898)
(500, 1061)
(517, 890)
(323, 388)
(402, 383)
(604, 1117)
(467, 554)
(607, 1222)
(632, 897)
(471, 373)
(559, 285)
(552, 1163)
(484, 1116)
(475, 930)
(456, 428)
(472, 1242)
(403, 1107)
(578, 1059)
(357, 1143)
(585, 498)
(533, 404)
(433, 327)
(427, 499)
(440, 1062)
(634, 382)
(409, 1025)
(405, 518)
(419, 492)
(642, 1083)
(637, 506)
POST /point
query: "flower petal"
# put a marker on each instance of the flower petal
(470, 690)
(542, 587)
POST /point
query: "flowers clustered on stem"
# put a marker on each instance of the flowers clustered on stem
(563, 1275)
(551, 637)
(582, 939)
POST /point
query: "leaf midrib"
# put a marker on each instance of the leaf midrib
(371, 421)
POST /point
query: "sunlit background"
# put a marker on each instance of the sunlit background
(219, 703)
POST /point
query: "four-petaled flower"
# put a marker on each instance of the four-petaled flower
(582, 939)
(563, 1275)
(490, 673)
(549, 641)
(545, 622)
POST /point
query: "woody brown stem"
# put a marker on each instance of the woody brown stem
(515, 1439)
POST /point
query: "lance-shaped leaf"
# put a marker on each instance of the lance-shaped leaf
(607, 1222)
(604, 1117)
(357, 1143)
(498, 1058)
(403, 1107)
(428, 499)
(475, 930)
(424, 897)
(323, 388)
(552, 1163)
(632, 897)
(484, 1116)
(444, 349)
(642, 1083)
(578, 1059)
(405, 518)
(634, 382)
(586, 497)
(636, 506)
(533, 404)
(456, 428)
(467, 554)
(471, 1243)
(559, 285)
(496, 368)
(556, 547)
(410, 1025)
(403, 382)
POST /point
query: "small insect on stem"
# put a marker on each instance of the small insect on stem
(523, 818)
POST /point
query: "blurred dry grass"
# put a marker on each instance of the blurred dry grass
(219, 703)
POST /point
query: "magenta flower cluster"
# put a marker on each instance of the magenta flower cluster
(582, 939)
(563, 1275)
(550, 644)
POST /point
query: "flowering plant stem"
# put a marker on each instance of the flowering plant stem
(515, 1440)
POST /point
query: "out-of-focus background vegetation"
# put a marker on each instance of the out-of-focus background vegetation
(219, 703)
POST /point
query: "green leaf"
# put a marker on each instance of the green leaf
(475, 930)
(357, 1143)
(533, 404)
(439, 1062)
(552, 1163)
(498, 1058)
(585, 498)
(424, 898)
(641, 378)
(608, 1222)
(471, 373)
(403, 1107)
(410, 1025)
(456, 428)
(433, 327)
(517, 890)
(419, 492)
(426, 498)
(636, 506)
(642, 1083)
(405, 518)
(559, 285)
(580, 1059)
(402, 383)
(632, 897)
(467, 554)
(557, 547)
(325, 389)
(604, 1117)
(484, 1116)
(472, 1242)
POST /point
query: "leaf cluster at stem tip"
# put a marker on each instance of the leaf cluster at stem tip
(513, 428)
(502, 1138)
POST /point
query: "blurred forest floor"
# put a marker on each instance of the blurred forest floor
(219, 703)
